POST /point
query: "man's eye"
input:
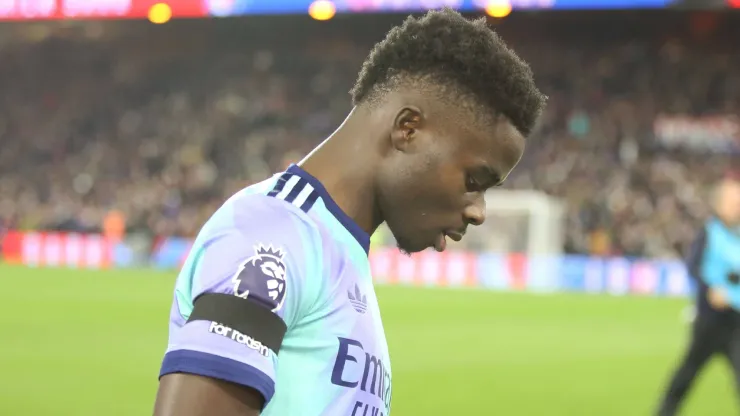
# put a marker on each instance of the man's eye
(470, 184)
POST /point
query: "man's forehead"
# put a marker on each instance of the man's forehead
(504, 131)
(499, 142)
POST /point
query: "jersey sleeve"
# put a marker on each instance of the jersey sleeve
(262, 253)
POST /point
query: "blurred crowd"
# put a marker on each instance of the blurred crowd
(159, 124)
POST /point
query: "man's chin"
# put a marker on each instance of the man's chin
(410, 246)
(409, 249)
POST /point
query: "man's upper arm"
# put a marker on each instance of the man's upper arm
(696, 255)
(244, 285)
(183, 394)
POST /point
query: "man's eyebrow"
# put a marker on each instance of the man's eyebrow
(493, 175)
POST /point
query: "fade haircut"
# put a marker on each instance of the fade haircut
(459, 55)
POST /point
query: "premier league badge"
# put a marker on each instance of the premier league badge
(262, 277)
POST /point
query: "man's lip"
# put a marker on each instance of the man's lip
(454, 236)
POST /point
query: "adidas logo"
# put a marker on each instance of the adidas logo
(358, 300)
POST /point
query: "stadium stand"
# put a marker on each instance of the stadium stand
(162, 131)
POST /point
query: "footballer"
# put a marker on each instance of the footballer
(274, 311)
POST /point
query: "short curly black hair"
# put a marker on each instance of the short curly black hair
(452, 51)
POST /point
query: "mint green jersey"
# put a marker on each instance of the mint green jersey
(285, 244)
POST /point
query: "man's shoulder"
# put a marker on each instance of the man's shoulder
(256, 244)
(253, 209)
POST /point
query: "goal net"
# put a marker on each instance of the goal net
(518, 246)
(523, 222)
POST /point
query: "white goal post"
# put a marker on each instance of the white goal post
(517, 221)
(522, 221)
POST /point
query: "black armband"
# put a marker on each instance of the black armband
(244, 315)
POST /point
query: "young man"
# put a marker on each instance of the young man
(714, 264)
(274, 309)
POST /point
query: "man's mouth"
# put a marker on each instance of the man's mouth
(441, 243)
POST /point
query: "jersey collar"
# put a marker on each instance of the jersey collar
(357, 232)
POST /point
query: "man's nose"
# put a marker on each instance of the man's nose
(475, 213)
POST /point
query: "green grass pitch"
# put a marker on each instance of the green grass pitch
(89, 343)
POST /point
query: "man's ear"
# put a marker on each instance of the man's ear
(405, 128)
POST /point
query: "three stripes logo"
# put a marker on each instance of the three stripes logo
(296, 190)
(358, 300)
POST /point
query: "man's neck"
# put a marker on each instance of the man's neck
(345, 164)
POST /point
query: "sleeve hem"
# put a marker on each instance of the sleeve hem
(214, 366)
